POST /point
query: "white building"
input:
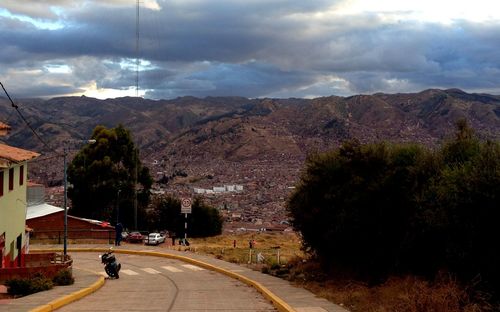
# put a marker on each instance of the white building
(199, 190)
(219, 189)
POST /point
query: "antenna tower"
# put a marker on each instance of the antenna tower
(137, 49)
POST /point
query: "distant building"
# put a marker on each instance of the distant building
(4, 129)
(199, 190)
(236, 216)
(219, 189)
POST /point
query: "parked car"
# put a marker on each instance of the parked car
(154, 239)
(135, 237)
(125, 235)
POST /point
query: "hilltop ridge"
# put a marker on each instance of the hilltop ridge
(258, 143)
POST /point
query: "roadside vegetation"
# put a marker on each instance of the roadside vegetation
(18, 287)
(104, 177)
(408, 292)
(405, 220)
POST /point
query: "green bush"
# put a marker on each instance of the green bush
(379, 209)
(27, 286)
(265, 270)
(63, 277)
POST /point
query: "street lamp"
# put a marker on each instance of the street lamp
(65, 154)
(118, 206)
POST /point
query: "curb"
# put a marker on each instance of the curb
(65, 300)
(278, 303)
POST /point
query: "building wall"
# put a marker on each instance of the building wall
(52, 227)
(13, 215)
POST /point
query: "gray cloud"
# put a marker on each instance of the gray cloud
(248, 48)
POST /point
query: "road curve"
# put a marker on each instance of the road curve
(159, 284)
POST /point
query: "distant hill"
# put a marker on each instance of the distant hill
(191, 130)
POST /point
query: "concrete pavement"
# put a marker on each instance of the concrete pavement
(85, 283)
(283, 295)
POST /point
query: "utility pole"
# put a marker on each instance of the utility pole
(135, 190)
(65, 249)
(65, 162)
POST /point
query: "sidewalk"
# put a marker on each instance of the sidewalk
(83, 280)
(299, 299)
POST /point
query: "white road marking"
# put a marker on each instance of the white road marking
(172, 269)
(310, 309)
(129, 272)
(150, 271)
(193, 267)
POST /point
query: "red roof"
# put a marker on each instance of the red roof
(4, 126)
(15, 154)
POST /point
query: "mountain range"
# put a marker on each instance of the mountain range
(188, 132)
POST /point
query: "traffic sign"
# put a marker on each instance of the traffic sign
(186, 205)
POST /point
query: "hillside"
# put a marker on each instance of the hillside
(259, 143)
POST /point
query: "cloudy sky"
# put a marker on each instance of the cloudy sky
(251, 48)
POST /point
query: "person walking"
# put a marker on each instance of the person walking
(118, 231)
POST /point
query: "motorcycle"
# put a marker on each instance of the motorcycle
(111, 266)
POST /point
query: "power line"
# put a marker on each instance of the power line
(16, 107)
(44, 159)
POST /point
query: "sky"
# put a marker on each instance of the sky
(249, 48)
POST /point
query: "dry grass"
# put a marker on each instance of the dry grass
(409, 294)
(397, 294)
(222, 246)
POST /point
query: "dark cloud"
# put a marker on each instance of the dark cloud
(248, 48)
(249, 80)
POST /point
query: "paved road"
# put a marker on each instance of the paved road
(160, 278)
(159, 284)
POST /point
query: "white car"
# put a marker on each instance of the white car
(154, 239)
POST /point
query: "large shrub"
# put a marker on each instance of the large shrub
(354, 205)
(64, 277)
(27, 286)
(202, 222)
(377, 209)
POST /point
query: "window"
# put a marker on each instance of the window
(11, 179)
(21, 175)
(1, 185)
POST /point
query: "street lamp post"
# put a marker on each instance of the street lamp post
(65, 155)
(65, 204)
(118, 207)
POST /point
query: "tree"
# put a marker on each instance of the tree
(205, 220)
(464, 208)
(104, 177)
(166, 215)
(378, 209)
(354, 206)
(202, 222)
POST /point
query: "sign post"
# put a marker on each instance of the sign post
(186, 204)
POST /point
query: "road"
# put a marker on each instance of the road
(160, 284)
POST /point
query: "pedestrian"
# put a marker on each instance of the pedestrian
(118, 231)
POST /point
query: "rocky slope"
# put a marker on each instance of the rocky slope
(260, 143)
